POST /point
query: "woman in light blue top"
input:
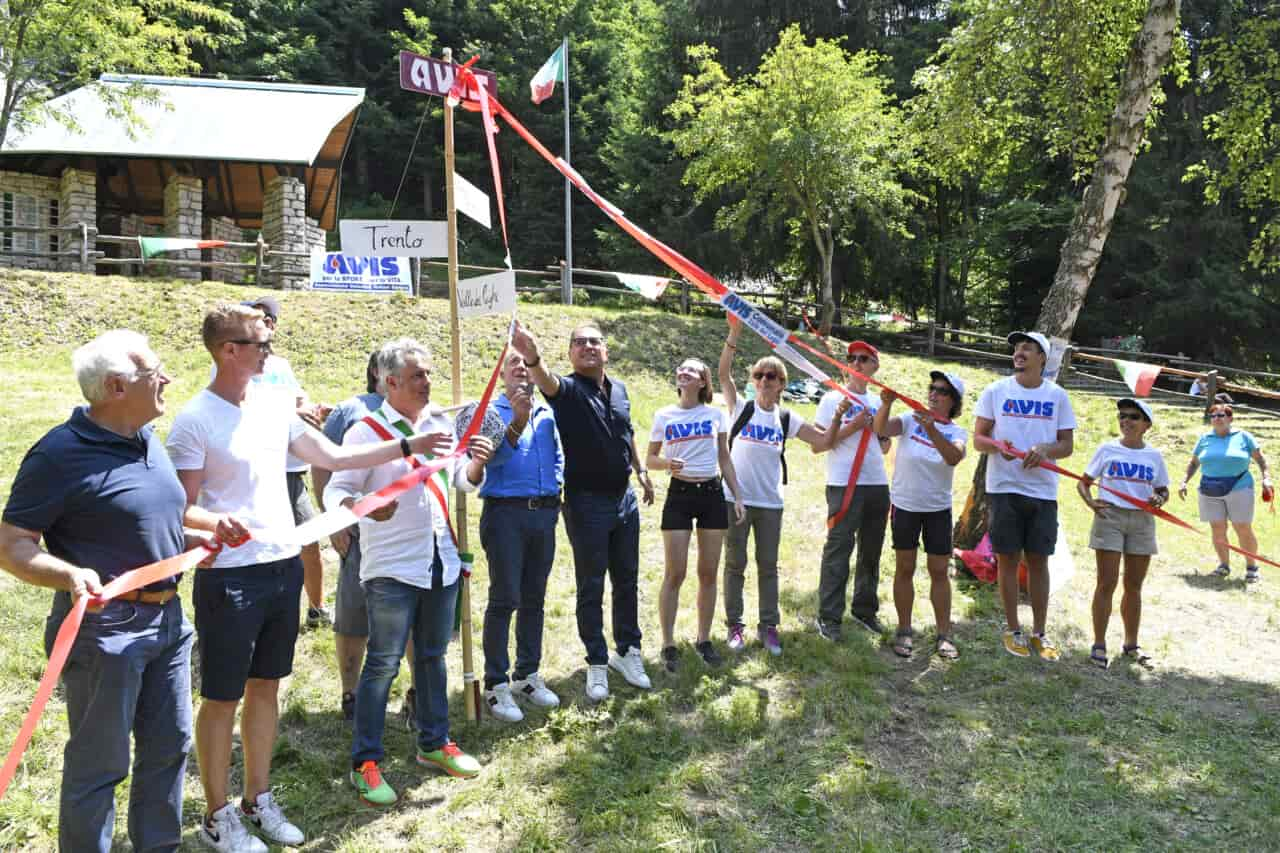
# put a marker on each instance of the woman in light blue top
(1226, 487)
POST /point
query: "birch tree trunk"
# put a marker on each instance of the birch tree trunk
(1092, 222)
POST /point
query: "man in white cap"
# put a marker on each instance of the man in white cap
(1034, 415)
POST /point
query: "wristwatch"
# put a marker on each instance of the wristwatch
(405, 449)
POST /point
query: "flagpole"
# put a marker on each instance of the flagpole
(567, 296)
(470, 687)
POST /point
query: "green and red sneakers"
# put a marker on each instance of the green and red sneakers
(373, 789)
(451, 760)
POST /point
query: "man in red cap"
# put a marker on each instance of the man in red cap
(844, 421)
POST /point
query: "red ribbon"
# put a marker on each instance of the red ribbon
(140, 577)
(852, 485)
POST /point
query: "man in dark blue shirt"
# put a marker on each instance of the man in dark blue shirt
(102, 492)
(601, 513)
(521, 495)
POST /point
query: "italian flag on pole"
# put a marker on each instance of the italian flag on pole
(152, 246)
(1139, 377)
(551, 72)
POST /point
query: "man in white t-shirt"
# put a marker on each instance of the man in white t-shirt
(845, 421)
(1034, 415)
(229, 446)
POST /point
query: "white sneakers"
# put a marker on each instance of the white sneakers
(597, 682)
(535, 691)
(631, 665)
(271, 822)
(225, 832)
(501, 705)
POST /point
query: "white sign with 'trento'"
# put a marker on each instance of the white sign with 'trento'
(402, 238)
(487, 294)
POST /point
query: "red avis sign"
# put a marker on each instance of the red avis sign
(430, 76)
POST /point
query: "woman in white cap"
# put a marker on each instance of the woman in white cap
(931, 447)
(1120, 529)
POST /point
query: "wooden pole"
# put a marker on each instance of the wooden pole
(933, 337)
(470, 686)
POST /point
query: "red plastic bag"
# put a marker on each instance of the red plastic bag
(981, 561)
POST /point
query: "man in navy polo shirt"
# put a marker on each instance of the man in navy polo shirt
(102, 492)
(601, 514)
(518, 531)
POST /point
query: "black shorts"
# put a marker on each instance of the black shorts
(908, 527)
(687, 502)
(1019, 523)
(299, 497)
(247, 618)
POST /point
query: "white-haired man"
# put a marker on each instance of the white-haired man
(409, 569)
(104, 496)
(229, 445)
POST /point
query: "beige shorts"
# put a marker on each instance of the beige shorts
(1234, 506)
(1129, 531)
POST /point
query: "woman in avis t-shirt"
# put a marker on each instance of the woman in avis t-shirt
(758, 434)
(689, 439)
(1120, 528)
(931, 448)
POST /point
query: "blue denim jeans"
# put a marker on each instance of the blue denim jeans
(129, 671)
(395, 610)
(604, 530)
(520, 546)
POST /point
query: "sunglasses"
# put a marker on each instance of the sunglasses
(1217, 415)
(263, 346)
(767, 375)
(1130, 416)
(940, 389)
(861, 357)
(587, 342)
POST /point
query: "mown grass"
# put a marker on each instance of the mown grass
(825, 748)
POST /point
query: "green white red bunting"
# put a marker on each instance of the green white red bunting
(648, 286)
(551, 72)
(1138, 376)
(152, 246)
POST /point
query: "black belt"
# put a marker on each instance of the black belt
(709, 486)
(541, 502)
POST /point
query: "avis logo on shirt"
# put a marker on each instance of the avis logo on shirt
(760, 434)
(1042, 409)
(698, 429)
(1131, 471)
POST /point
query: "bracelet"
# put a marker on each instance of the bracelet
(730, 346)
(405, 449)
(512, 433)
(533, 363)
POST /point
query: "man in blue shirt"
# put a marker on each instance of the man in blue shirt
(518, 531)
(601, 513)
(101, 491)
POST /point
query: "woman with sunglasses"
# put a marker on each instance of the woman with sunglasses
(1120, 529)
(931, 448)
(689, 439)
(757, 442)
(1226, 487)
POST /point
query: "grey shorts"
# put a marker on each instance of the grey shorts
(299, 497)
(350, 614)
(1019, 523)
(1129, 531)
(1234, 506)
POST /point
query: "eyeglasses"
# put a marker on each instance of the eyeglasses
(1130, 416)
(862, 357)
(148, 372)
(940, 389)
(767, 375)
(587, 342)
(1217, 415)
(263, 346)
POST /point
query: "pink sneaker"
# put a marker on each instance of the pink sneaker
(737, 642)
(769, 639)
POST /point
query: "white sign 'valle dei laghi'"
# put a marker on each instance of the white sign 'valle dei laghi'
(487, 294)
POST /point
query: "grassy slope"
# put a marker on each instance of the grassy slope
(826, 747)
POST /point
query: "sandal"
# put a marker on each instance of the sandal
(902, 644)
(946, 648)
(1137, 655)
(1098, 656)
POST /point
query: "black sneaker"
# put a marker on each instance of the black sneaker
(829, 631)
(349, 706)
(709, 654)
(871, 623)
(409, 710)
(671, 658)
(317, 617)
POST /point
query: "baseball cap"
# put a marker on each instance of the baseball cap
(1133, 403)
(956, 383)
(1039, 340)
(268, 305)
(863, 346)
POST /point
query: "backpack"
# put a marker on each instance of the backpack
(784, 417)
